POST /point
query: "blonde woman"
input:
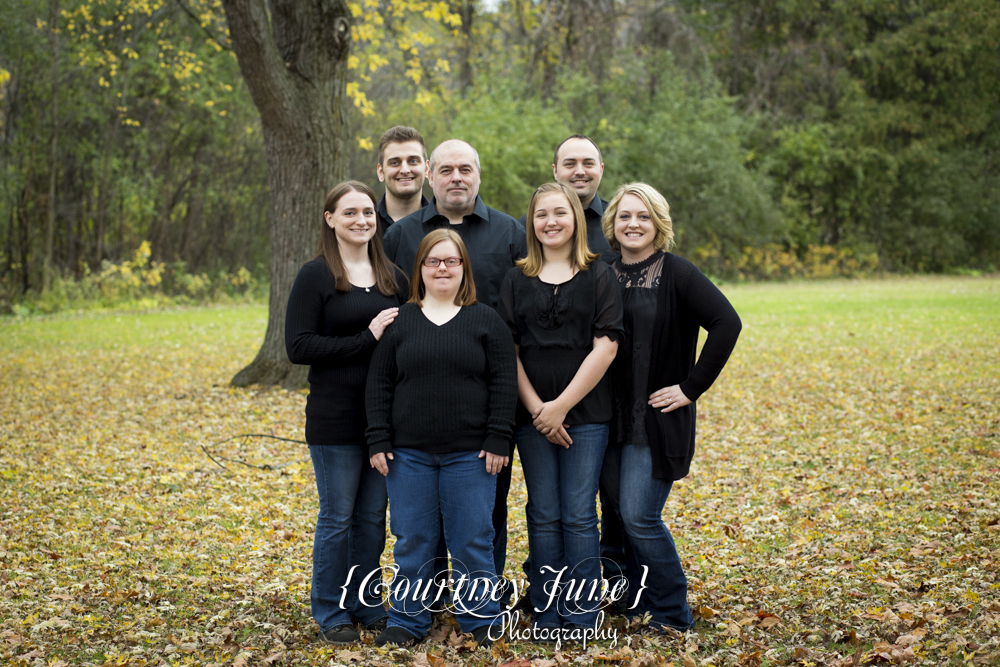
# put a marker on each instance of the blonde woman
(564, 311)
(655, 383)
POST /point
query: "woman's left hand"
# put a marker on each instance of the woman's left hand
(669, 398)
(494, 463)
(378, 462)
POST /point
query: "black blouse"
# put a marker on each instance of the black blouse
(630, 370)
(555, 325)
(329, 331)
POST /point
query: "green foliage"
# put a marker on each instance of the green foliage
(139, 283)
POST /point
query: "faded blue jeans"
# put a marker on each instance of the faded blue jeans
(350, 531)
(639, 500)
(562, 523)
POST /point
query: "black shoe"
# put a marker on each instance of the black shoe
(482, 636)
(396, 635)
(340, 634)
(376, 626)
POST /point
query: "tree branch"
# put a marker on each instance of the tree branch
(187, 10)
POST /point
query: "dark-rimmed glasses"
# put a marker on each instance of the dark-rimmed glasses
(450, 262)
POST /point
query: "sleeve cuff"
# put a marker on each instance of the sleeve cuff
(497, 445)
(383, 447)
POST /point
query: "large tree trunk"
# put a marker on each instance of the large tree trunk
(295, 65)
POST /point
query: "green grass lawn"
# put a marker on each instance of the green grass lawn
(842, 504)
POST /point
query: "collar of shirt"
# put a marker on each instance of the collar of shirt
(383, 212)
(596, 208)
(430, 212)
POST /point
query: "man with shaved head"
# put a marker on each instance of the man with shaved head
(494, 241)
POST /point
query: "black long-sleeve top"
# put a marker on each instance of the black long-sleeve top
(493, 239)
(555, 327)
(685, 302)
(444, 388)
(329, 331)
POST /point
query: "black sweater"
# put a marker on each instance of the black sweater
(445, 388)
(329, 331)
(686, 301)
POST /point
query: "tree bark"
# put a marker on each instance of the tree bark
(294, 63)
(50, 223)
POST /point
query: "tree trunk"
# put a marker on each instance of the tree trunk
(50, 223)
(294, 63)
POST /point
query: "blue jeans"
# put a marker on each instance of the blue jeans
(350, 531)
(563, 539)
(424, 490)
(639, 500)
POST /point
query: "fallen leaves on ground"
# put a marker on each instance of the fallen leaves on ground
(842, 507)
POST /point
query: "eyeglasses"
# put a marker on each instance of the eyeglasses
(450, 262)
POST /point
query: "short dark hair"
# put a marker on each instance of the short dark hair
(555, 155)
(397, 135)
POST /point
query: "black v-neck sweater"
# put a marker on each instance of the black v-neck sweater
(442, 389)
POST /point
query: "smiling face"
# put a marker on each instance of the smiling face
(579, 166)
(553, 221)
(454, 177)
(634, 228)
(353, 221)
(403, 168)
(442, 281)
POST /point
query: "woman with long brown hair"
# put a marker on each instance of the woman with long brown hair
(340, 305)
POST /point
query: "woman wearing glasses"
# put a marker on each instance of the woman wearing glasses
(565, 312)
(440, 399)
(340, 305)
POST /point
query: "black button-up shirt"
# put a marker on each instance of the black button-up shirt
(595, 233)
(384, 221)
(494, 240)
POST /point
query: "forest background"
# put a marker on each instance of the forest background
(792, 137)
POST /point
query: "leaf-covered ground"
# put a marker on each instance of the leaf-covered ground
(842, 508)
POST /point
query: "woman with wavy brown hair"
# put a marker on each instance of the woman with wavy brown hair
(340, 305)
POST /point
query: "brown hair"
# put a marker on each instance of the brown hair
(329, 248)
(467, 290)
(659, 213)
(555, 154)
(581, 257)
(398, 135)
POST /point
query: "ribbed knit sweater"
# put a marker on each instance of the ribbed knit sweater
(446, 388)
(329, 331)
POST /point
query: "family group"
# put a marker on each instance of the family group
(443, 334)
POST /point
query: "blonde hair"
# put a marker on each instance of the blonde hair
(659, 213)
(466, 291)
(581, 257)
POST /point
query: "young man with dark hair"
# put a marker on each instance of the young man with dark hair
(402, 164)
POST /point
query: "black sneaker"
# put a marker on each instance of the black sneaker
(482, 636)
(340, 634)
(376, 626)
(396, 635)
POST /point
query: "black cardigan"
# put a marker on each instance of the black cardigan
(686, 301)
